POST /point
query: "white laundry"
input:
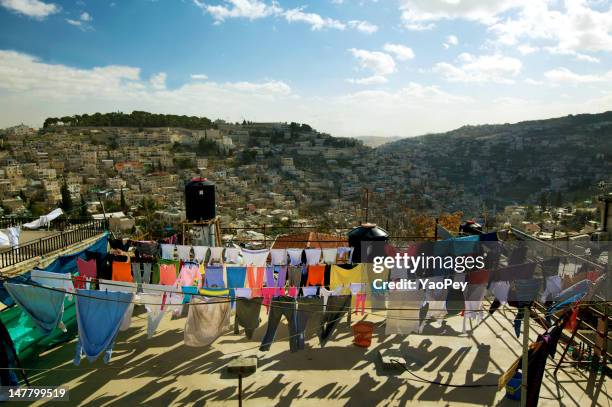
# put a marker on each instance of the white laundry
(313, 256)
(278, 256)
(183, 251)
(329, 255)
(232, 255)
(295, 256)
(199, 253)
(255, 257)
(216, 255)
(167, 251)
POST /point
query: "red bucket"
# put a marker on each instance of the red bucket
(362, 332)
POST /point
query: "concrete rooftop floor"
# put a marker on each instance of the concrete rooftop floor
(162, 371)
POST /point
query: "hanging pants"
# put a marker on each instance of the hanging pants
(309, 309)
(337, 307)
(280, 306)
(247, 314)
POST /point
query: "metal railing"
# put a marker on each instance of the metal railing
(75, 234)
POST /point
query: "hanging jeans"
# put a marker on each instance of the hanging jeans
(247, 314)
(337, 307)
(309, 309)
(281, 306)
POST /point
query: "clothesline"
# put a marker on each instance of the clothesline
(230, 299)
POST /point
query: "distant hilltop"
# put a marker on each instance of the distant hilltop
(134, 119)
(376, 141)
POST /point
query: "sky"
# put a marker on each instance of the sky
(346, 67)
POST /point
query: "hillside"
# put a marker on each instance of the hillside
(507, 163)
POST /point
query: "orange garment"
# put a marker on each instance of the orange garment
(255, 279)
(122, 271)
(167, 274)
(316, 274)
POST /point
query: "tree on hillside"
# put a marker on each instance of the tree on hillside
(122, 202)
(83, 209)
(558, 200)
(66, 203)
(543, 201)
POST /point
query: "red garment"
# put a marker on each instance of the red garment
(87, 268)
(122, 271)
(79, 282)
(572, 321)
(255, 279)
(167, 274)
(316, 275)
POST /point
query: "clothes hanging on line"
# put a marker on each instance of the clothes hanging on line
(45, 307)
(295, 256)
(313, 256)
(329, 255)
(216, 255)
(99, 316)
(207, 320)
(247, 313)
(232, 255)
(200, 253)
(183, 252)
(125, 287)
(167, 251)
(278, 257)
(255, 258)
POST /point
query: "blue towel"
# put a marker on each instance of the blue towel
(43, 305)
(99, 316)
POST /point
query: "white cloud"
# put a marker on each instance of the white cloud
(370, 80)
(158, 81)
(451, 41)
(250, 9)
(198, 77)
(363, 26)
(401, 52)
(565, 76)
(85, 16)
(378, 62)
(83, 21)
(422, 14)
(526, 49)
(31, 8)
(571, 25)
(485, 68)
(315, 21)
(27, 95)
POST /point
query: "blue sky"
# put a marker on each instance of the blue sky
(348, 67)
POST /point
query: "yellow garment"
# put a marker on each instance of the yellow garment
(340, 277)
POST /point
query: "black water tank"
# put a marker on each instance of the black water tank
(200, 199)
(367, 232)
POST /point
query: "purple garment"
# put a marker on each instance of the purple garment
(281, 276)
(213, 278)
(270, 281)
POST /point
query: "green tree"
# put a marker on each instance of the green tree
(83, 209)
(122, 203)
(66, 203)
(543, 201)
(558, 200)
